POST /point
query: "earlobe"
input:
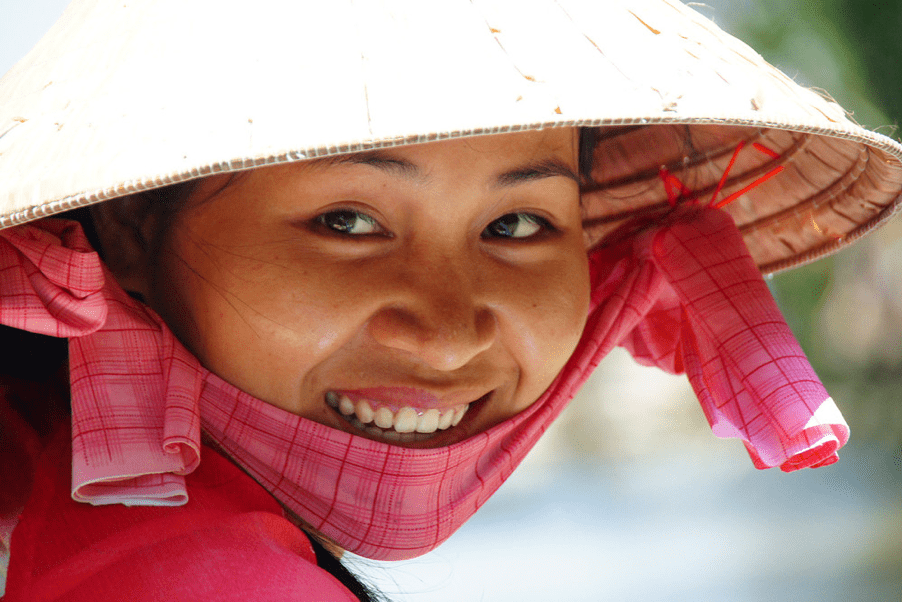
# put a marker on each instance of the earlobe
(125, 228)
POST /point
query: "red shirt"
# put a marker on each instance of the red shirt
(229, 542)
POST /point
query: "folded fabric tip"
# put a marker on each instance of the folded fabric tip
(162, 489)
(51, 280)
(816, 457)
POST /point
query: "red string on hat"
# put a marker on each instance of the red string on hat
(677, 191)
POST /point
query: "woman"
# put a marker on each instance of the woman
(357, 258)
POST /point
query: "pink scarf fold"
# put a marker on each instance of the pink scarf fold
(708, 312)
(684, 295)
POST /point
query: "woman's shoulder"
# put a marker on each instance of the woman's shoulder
(229, 542)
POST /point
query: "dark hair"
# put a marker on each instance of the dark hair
(328, 562)
(588, 139)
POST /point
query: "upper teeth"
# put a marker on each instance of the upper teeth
(383, 420)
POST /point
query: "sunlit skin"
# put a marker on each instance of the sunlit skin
(386, 270)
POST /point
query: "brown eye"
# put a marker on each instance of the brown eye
(347, 221)
(517, 225)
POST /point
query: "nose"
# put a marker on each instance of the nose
(441, 323)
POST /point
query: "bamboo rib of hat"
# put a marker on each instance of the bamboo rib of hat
(125, 96)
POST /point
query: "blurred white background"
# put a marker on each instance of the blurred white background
(630, 497)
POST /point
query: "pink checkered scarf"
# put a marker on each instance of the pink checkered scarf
(684, 295)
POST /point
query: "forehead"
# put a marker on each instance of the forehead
(500, 160)
(496, 149)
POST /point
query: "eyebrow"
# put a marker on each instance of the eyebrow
(537, 170)
(382, 162)
(546, 168)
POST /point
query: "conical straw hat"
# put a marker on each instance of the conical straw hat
(121, 97)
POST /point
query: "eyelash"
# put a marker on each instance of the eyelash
(542, 226)
(495, 229)
(345, 215)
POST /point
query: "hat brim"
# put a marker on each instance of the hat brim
(117, 99)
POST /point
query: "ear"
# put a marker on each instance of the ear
(127, 230)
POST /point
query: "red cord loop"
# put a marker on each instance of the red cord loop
(677, 192)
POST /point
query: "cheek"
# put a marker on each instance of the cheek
(551, 322)
(251, 317)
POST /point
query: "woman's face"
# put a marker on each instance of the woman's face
(416, 295)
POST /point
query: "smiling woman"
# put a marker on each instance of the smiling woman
(327, 298)
(397, 288)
